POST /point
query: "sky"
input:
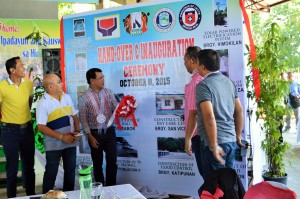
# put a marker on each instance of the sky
(223, 4)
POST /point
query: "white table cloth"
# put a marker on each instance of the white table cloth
(124, 191)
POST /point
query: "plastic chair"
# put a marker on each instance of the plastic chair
(270, 190)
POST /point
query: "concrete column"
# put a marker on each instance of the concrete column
(130, 1)
(99, 5)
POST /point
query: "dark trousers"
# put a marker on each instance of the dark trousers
(19, 142)
(196, 147)
(68, 156)
(210, 164)
(108, 144)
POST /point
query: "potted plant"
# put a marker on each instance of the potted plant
(38, 94)
(36, 36)
(270, 62)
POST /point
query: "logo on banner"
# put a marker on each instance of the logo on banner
(164, 20)
(107, 27)
(79, 27)
(136, 23)
(190, 17)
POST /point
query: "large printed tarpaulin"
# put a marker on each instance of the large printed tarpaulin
(13, 42)
(140, 50)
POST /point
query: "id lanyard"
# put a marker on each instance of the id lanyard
(101, 118)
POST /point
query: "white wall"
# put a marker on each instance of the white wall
(26, 9)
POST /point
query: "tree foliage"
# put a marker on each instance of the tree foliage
(65, 9)
(287, 16)
(273, 89)
(171, 144)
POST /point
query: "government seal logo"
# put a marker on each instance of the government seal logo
(190, 17)
(164, 20)
(107, 27)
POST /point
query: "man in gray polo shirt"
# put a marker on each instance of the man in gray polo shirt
(220, 114)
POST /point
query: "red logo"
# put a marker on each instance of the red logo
(107, 27)
(190, 17)
(106, 23)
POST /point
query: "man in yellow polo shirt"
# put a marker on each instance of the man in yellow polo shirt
(17, 131)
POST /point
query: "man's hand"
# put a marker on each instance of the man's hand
(69, 138)
(93, 141)
(239, 143)
(218, 154)
(188, 148)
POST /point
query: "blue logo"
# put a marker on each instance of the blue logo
(164, 20)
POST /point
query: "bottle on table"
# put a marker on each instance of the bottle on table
(85, 182)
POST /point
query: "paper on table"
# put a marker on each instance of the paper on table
(79, 134)
(126, 191)
(152, 193)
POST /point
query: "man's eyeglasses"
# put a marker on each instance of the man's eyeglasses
(99, 78)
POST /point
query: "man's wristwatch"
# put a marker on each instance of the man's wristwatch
(213, 148)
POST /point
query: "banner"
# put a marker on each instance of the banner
(140, 50)
(13, 42)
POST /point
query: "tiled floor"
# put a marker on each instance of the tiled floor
(39, 173)
(293, 169)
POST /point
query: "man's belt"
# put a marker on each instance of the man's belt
(21, 126)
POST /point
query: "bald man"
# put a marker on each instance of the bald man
(57, 120)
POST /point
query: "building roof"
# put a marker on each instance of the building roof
(262, 5)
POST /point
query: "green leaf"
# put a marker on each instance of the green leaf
(273, 90)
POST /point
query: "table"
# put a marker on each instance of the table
(124, 191)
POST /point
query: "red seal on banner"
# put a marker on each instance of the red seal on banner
(126, 110)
